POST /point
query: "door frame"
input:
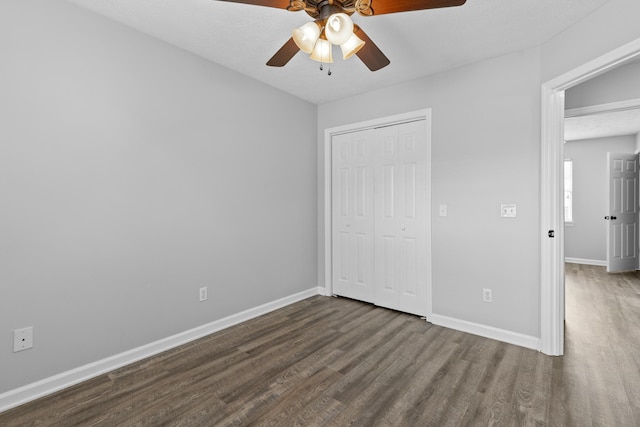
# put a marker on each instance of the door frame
(424, 114)
(611, 107)
(552, 289)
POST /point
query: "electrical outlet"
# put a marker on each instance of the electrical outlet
(508, 211)
(486, 295)
(203, 294)
(22, 339)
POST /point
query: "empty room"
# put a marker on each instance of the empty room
(315, 213)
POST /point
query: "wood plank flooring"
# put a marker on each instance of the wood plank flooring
(337, 362)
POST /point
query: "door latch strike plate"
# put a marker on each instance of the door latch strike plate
(552, 233)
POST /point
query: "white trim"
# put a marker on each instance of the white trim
(328, 272)
(630, 104)
(600, 65)
(487, 331)
(379, 122)
(323, 291)
(586, 261)
(552, 218)
(354, 127)
(552, 250)
(29, 392)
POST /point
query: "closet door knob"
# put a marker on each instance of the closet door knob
(404, 228)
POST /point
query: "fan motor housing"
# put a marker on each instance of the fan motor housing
(322, 9)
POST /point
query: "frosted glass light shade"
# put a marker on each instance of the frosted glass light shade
(306, 36)
(322, 52)
(339, 28)
(351, 46)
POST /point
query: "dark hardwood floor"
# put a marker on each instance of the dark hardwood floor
(337, 362)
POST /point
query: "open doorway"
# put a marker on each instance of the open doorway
(594, 128)
(552, 190)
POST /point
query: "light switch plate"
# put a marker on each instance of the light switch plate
(508, 211)
(442, 210)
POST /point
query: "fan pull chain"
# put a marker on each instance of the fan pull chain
(321, 67)
(322, 61)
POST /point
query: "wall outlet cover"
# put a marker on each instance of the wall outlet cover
(508, 211)
(22, 339)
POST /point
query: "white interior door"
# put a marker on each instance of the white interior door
(622, 227)
(353, 215)
(380, 216)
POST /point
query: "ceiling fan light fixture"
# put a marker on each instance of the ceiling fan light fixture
(339, 28)
(306, 36)
(351, 46)
(322, 51)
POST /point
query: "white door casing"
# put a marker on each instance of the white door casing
(551, 206)
(622, 218)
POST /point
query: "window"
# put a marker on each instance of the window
(568, 191)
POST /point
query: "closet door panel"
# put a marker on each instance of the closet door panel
(352, 215)
(401, 183)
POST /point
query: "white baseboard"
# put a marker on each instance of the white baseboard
(29, 392)
(585, 261)
(486, 331)
(323, 291)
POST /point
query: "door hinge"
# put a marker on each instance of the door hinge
(552, 233)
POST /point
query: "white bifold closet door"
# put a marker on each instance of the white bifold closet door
(379, 216)
(353, 215)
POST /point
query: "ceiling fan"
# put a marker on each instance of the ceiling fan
(332, 25)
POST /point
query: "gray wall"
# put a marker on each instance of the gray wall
(620, 84)
(608, 28)
(131, 174)
(587, 238)
(485, 149)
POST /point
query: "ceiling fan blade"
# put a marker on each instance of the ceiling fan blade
(280, 4)
(380, 7)
(284, 55)
(370, 54)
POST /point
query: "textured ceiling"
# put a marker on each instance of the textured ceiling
(602, 125)
(243, 37)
